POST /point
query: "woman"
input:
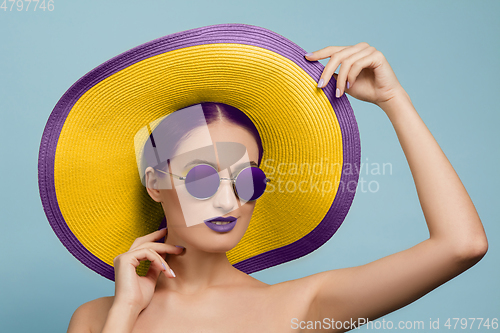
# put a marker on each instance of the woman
(191, 286)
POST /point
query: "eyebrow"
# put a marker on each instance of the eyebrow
(198, 161)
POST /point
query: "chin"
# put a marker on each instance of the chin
(219, 247)
(222, 242)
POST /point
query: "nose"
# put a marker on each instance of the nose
(225, 198)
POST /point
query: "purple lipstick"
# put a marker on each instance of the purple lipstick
(221, 224)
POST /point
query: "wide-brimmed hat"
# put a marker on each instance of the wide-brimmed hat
(89, 182)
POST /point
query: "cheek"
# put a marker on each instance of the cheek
(247, 211)
(172, 208)
(182, 209)
(248, 207)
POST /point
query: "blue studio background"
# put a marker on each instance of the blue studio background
(444, 53)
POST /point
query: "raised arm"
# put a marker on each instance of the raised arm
(457, 239)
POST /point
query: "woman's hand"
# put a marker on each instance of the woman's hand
(365, 68)
(137, 291)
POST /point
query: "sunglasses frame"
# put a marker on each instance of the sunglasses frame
(233, 180)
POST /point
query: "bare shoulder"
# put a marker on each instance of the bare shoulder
(90, 316)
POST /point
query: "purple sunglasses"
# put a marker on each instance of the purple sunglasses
(203, 181)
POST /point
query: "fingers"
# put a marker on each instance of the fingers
(350, 69)
(344, 56)
(134, 257)
(339, 58)
(157, 262)
(158, 248)
(156, 235)
(324, 52)
(166, 268)
(145, 248)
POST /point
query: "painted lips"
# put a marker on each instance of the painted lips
(221, 224)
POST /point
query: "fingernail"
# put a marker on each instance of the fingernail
(164, 268)
(171, 271)
(308, 54)
(337, 93)
(320, 83)
(348, 85)
(162, 229)
(182, 247)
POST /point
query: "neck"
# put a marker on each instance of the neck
(197, 270)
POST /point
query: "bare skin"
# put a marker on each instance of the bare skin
(209, 295)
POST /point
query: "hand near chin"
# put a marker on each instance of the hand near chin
(370, 77)
(132, 289)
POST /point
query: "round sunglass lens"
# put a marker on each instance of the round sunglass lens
(251, 183)
(202, 181)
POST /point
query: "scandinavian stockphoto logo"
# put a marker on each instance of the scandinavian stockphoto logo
(303, 177)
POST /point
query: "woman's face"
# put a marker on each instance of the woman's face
(185, 214)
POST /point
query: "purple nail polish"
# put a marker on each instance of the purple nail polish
(348, 84)
(337, 93)
(320, 83)
(164, 268)
(182, 247)
(308, 54)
